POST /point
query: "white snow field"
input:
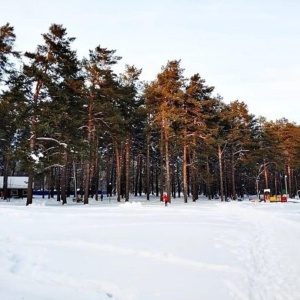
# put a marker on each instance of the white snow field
(142, 250)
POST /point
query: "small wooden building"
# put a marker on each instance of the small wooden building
(16, 186)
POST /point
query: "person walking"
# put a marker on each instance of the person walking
(166, 199)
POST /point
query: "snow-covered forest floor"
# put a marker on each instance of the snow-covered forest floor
(142, 250)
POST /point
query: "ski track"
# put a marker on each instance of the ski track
(21, 262)
(24, 266)
(163, 257)
(17, 258)
(271, 269)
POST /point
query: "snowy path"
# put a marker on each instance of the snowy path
(269, 254)
(143, 251)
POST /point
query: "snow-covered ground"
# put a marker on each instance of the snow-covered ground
(142, 250)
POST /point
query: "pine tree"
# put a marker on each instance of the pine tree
(103, 92)
(164, 97)
(240, 126)
(7, 40)
(13, 129)
(8, 112)
(129, 110)
(54, 70)
(193, 127)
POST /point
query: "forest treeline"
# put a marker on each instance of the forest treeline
(75, 126)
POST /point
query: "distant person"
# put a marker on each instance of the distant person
(109, 190)
(165, 199)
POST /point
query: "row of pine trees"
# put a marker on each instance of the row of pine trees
(75, 126)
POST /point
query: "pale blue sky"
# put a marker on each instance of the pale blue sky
(247, 49)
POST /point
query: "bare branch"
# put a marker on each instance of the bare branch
(53, 140)
(54, 165)
(239, 151)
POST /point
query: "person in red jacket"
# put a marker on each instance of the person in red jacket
(166, 198)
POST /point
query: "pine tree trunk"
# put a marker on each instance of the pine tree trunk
(136, 176)
(178, 180)
(208, 187)
(289, 192)
(87, 169)
(32, 141)
(5, 175)
(148, 167)
(118, 172)
(75, 179)
(161, 177)
(86, 181)
(266, 175)
(168, 184)
(127, 167)
(30, 174)
(221, 172)
(96, 169)
(173, 179)
(63, 179)
(140, 183)
(184, 171)
(57, 182)
(225, 180)
(96, 180)
(194, 175)
(233, 176)
(29, 186)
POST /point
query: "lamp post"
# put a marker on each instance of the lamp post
(285, 183)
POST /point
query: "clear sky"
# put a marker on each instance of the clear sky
(247, 49)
